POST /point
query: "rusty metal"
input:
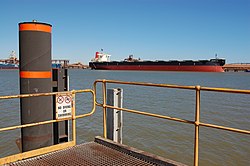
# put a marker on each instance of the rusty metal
(101, 152)
(36, 152)
(88, 154)
(146, 156)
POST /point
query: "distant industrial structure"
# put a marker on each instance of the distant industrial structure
(237, 67)
(77, 65)
(12, 63)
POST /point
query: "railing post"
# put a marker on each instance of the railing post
(114, 117)
(104, 90)
(73, 118)
(197, 122)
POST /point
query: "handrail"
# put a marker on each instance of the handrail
(226, 90)
(145, 84)
(196, 122)
(52, 148)
(48, 121)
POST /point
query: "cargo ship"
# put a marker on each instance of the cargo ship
(102, 62)
(10, 63)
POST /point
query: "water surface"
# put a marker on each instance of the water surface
(169, 139)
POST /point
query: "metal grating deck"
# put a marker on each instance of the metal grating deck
(96, 154)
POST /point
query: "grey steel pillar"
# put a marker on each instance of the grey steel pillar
(35, 77)
(114, 117)
(60, 83)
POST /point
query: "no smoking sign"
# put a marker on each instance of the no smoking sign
(63, 105)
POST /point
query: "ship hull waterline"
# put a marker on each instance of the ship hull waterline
(193, 68)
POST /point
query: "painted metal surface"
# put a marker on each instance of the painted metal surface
(102, 62)
(115, 117)
(195, 122)
(60, 83)
(52, 148)
(191, 68)
(35, 77)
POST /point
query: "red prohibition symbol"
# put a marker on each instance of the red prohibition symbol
(67, 99)
(60, 99)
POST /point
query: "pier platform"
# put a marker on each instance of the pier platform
(99, 152)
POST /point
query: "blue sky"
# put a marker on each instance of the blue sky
(149, 29)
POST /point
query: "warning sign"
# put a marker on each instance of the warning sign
(64, 105)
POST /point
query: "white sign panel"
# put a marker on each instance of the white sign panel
(63, 105)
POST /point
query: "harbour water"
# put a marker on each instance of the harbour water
(169, 139)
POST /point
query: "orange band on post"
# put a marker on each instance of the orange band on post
(35, 74)
(35, 27)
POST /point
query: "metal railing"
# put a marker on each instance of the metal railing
(197, 123)
(32, 153)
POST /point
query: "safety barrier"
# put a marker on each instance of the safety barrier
(197, 123)
(32, 153)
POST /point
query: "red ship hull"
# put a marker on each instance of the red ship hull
(102, 62)
(162, 68)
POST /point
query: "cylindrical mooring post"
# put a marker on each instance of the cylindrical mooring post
(35, 77)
